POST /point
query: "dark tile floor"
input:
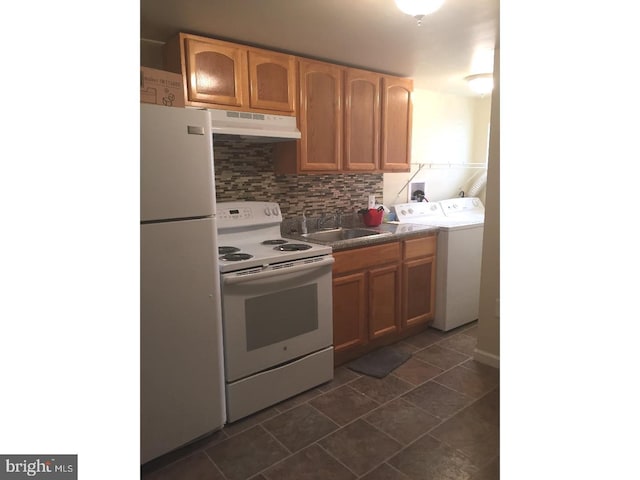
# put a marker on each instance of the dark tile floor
(434, 417)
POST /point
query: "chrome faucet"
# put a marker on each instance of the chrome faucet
(324, 218)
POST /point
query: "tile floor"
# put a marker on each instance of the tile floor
(434, 417)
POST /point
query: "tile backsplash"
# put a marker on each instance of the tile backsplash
(244, 171)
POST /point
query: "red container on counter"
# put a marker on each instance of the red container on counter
(373, 217)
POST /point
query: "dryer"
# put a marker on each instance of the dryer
(458, 257)
(465, 208)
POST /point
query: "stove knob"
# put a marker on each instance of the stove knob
(275, 211)
(411, 210)
(403, 212)
(267, 212)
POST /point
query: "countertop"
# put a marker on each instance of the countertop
(396, 231)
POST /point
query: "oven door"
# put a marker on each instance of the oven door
(275, 315)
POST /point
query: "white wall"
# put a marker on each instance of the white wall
(447, 129)
(488, 346)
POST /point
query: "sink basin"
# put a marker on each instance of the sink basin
(339, 234)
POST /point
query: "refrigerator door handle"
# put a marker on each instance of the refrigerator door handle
(191, 130)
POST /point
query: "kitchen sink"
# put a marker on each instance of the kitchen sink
(338, 234)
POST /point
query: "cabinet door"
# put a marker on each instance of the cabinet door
(320, 116)
(272, 81)
(216, 72)
(384, 301)
(362, 120)
(397, 110)
(349, 311)
(418, 284)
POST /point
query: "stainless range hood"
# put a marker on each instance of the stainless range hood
(256, 127)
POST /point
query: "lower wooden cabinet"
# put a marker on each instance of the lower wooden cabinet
(418, 280)
(360, 288)
(381, 293)
(349, 309)
(384, 301)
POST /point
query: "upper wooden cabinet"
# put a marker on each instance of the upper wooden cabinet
(272, 80)
(216, 72)
(348, 123)
(320, 116)
(378, 114)
(397, 111)
(320, 120)
(351, 120)
(226, 75)
(361, 120)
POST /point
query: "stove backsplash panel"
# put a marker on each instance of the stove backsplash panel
(244, 171)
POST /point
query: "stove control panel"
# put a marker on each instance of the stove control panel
(269, 211)
(247, 214)
(234, 213)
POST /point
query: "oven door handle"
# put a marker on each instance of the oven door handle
(328, 260)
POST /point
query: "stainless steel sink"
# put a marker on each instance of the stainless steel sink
(338, 234)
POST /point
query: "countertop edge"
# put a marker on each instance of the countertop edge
(397, 232)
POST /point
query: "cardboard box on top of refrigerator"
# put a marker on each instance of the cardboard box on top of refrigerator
(161, 88)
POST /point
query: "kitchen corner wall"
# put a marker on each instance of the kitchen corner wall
(447, 130)
(244, 171)
(488, 346)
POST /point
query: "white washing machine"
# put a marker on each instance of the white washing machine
(458, 258)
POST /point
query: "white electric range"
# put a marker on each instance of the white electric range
(277, 311)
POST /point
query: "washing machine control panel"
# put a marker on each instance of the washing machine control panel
(406, 212)
(464, 205)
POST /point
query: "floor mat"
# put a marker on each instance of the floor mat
(379, 363)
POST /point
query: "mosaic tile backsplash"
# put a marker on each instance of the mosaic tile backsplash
(244, 171)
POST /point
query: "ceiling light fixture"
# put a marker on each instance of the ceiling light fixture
(481, 83)
(418, 8)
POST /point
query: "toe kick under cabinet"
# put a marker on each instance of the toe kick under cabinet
(381, 294)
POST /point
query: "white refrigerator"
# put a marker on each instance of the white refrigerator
(182, 383)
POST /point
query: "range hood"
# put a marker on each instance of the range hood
(256, 127)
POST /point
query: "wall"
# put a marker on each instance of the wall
(488, 346)
(151, 54)
(447, 129)
(480, 128)
(244, 171)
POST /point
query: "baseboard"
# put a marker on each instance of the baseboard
(486, 358)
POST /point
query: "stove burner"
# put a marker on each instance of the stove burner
(235, 257)
(291, 247)
(278, 241)
(225, 249)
